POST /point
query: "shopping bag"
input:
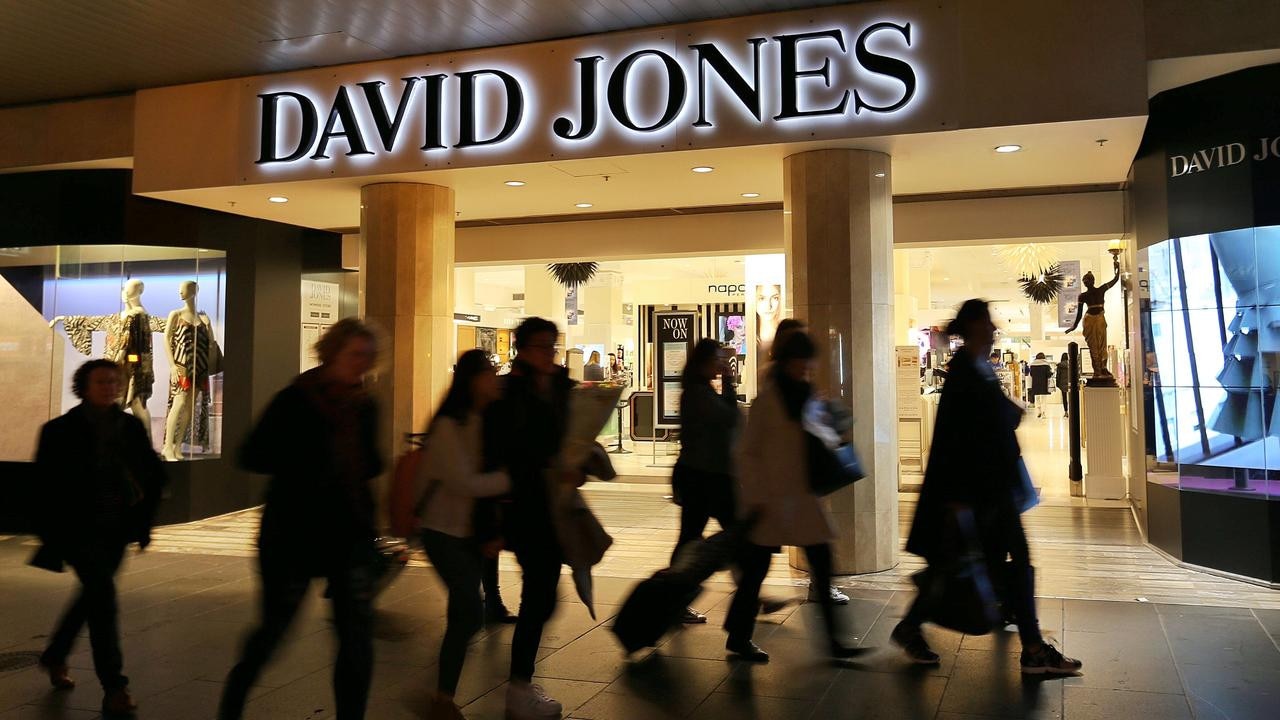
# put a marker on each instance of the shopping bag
(962, 597)
(833, 463)
(1025, 495)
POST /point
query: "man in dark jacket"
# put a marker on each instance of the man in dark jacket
(524, 432)
(102, 483)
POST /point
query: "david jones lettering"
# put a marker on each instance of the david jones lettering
(804, 63)
(1223, 156)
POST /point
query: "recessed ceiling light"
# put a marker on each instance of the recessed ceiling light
(278, 199)
(514, 183)
(703, 169)
(582, 205)
(880, 174)
(750, 195)
(1008, 148)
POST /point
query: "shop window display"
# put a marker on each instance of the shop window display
(158, 311)
(1212, 336)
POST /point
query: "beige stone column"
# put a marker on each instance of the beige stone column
(408, 233)
(838, 229)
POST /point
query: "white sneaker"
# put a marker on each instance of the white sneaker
(530, 702)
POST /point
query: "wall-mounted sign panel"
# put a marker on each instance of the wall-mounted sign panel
(674, 336)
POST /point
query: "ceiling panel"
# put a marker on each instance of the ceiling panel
(57, 49)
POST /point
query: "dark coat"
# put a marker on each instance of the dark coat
(973, 459)
(708, 421)
(1040, 371)
(524, 431)
(70, 483)
(314, 511)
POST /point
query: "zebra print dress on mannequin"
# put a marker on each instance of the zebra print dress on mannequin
(192, 346)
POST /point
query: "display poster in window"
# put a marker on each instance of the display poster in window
(571, 305)
(675, 334)
(1069, 295)
(907, 375)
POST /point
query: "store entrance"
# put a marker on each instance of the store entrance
(931, 282)
(608, 313)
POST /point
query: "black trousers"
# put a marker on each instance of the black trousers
(540, 562)
(1004, 545)
(458, 562)
(95, 566)
(702, 496)
(741, 621)
(489, 581)
(284, 587)
(1065, 407)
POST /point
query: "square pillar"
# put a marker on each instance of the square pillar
(838, 231)
(408, 232)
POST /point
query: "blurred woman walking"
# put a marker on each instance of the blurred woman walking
(318, 442)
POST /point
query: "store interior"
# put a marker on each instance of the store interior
(607, 316)
(930, 283)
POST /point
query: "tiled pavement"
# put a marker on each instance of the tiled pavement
(183, 614)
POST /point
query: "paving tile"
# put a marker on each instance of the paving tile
(794, 671)
(1107, 616)
(45, 712)
(855, 619)
(1082, 703)
(572, 694)
(594, 657)
(1239, 693)
(1167, 610)
(1230, 641)
(991, 684)
(1131, 660)
(307, 698)
(30, 685)
(618, 706)
(719, 706)
(1270, 620)
(882, 696)
(678, 685)
(192, 700)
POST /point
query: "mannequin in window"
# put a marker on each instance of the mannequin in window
(193, 357)
(128, 344)
(1095, 324)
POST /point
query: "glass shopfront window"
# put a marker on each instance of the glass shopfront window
(1212, 332)
(158, 311)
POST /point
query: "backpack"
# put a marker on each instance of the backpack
(402, 505)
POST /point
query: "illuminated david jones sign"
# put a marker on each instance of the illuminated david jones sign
(362, 121)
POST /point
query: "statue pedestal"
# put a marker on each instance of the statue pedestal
(1104, 443)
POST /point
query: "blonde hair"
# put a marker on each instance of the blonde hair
(341, 333)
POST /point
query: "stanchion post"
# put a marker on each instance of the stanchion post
(1075, 471)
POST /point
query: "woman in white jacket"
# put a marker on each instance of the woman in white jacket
(773, 477)
(449, 481)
